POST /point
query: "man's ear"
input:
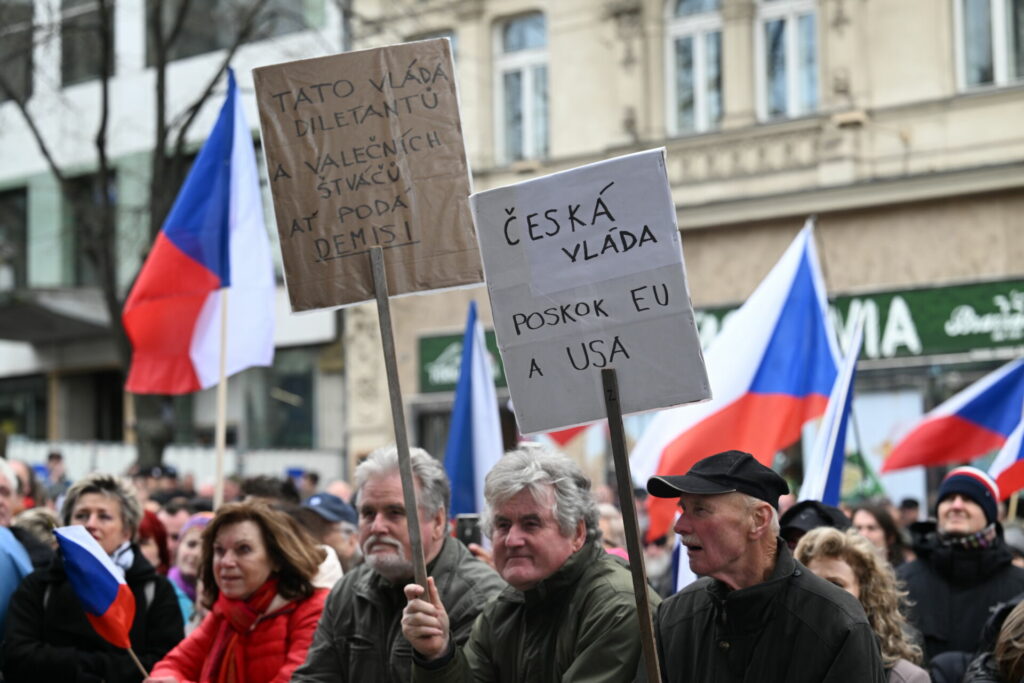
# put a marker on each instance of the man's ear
(439, 524)
(580, 537)
(762, 517)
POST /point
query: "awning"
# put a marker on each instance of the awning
(41, 316)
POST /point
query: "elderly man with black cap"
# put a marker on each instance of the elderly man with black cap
(963, 567)
(757, 614)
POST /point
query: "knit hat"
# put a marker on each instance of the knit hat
(976, 485)
(200, 519)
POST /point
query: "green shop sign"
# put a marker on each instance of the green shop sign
(441, 356)
(919, 322)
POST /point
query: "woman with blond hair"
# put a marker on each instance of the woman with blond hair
(851, 562)
(257, 570)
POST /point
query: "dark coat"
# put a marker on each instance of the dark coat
(55, 641)
(359, 637)
(794, 627)
(983, 670)
(952, 589)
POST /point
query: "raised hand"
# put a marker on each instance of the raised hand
(425, 620)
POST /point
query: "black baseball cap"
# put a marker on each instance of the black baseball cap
(728, 472)
(811, 514)
(332, 508)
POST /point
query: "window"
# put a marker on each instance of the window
(16, 49)
(213, 25)
(787, 49)
(82, 226)
(990, 39)
(695, 66)
(13, 231)
(81, 41)
(522, 89)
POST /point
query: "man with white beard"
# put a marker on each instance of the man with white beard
(359, 637)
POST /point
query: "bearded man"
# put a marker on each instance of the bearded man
(359, 637)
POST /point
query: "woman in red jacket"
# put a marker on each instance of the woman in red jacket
(263, 607)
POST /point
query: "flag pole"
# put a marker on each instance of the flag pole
(380, 286)
(145, 674)
(222, 402)
(1011, 513)
(624, 478)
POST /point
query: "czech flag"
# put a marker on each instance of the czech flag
(1008, 467)
(771, 368)
(474, 438)
(99, 584)
(976, 421)
(213, 238)
(823, 467)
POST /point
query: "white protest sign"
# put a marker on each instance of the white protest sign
(584, 269)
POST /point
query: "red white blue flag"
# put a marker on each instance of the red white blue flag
(99, 584)
(474, 439)
(978, 420)
(213, 238)
(823, 466)
(1008, 467)
(771, 369)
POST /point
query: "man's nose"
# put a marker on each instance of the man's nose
(378, 526)
(514, 537)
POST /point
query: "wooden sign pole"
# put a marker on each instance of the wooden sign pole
(624, 478)
(380, 285)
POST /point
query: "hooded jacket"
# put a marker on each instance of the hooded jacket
(952, 588)
(577, 625)
(359, 638)
(793, 627)
(50, 639)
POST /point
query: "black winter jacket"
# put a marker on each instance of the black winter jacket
(794, 627)
(953, 589)
(55, 641)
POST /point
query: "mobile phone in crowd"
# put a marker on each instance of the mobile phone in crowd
(467, 529)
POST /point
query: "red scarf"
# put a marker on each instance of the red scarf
(226, 660)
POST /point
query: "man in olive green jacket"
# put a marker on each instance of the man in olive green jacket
(359, 637)
(569, 613)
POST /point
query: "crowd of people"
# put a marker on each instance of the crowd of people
(291, 581)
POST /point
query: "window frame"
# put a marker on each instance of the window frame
(1001, 55)
(89, 40)
(23, 30)
(697, 27)
(790, 12)
(524, 62)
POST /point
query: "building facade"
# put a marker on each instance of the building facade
(895, 123)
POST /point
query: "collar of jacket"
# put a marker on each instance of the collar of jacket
(956, 563)
(559, 583)
(748, 608)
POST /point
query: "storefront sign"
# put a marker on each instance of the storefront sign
(920, 322)
(441, 358)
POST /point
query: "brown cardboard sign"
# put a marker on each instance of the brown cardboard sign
(365, 149)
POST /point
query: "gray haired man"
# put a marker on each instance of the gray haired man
(569, 613)
(359, 638)
(757, 614)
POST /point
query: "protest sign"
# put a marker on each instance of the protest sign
(585, 271)
(365, 149)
